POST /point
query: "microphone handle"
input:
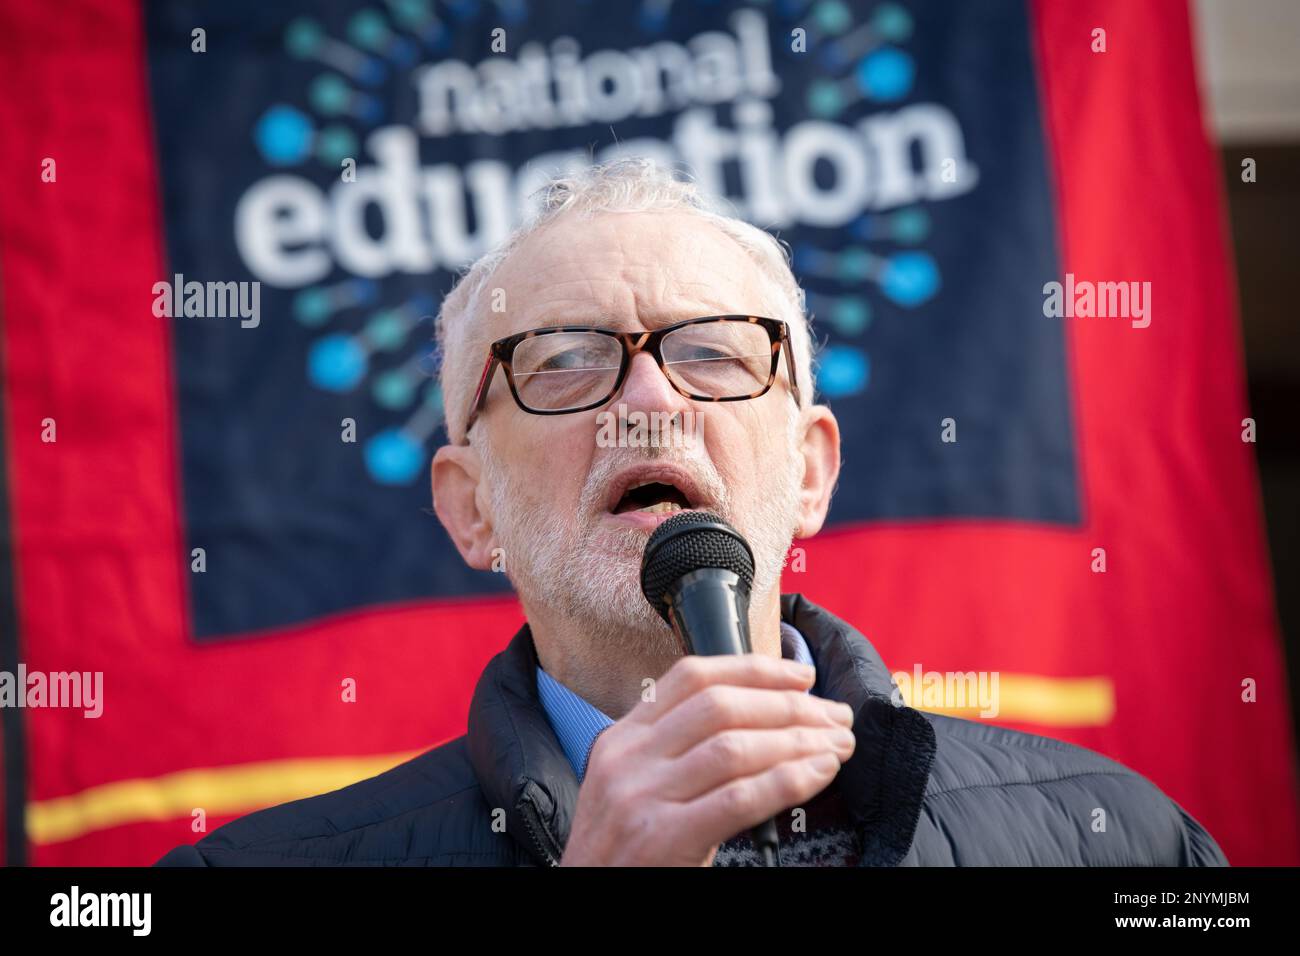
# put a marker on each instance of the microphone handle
(710, 613)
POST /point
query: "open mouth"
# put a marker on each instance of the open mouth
(652, 497)
(646, 495)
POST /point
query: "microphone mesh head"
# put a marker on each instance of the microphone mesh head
(687, 542)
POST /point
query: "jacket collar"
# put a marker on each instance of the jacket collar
(522, 769)
(884, 781)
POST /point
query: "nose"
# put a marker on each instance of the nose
(647, 389)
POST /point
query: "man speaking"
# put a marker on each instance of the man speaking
(604, 736)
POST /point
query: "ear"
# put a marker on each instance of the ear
(455, 479)
(820, 447)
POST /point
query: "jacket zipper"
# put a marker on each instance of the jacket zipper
(530, 817)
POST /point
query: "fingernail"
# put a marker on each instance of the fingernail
(823, 763)
(843, 736)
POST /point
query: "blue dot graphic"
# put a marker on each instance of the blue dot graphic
(336, 363)
(892, 22)
(283, 135)
(393, 390)
(844, 370)
(303, 37)
(312, 306)
(886, 74)
(437, 37)
(335, 143)
(833, 58)
(371, 109)
(366, 290)
(832, 17)
(825, 99)
(854, 265)
(393, 458)
(464, 9)
(910, 225)
(329, 93)
(422, 303)
(910, 278)
(850, 315)
(373, 72)
(403, 52)
(368, 28)
(514, 11)
(386, 330)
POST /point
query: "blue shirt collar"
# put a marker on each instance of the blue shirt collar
(577, 723)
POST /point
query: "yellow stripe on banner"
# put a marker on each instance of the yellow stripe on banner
(1024, 698)
(218, 791)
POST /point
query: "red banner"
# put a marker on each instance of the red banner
(1167, 661)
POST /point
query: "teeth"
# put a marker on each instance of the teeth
(663, 507)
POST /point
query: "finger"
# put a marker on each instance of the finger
(742, 804)
(734, 754)
(693, 673)
(724, 707)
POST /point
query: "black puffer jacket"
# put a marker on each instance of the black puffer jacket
(924, 789)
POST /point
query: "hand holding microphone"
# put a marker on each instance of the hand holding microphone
(731, 739)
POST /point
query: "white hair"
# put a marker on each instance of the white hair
(623, 185)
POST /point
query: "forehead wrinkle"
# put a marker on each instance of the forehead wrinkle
(554, 304)
(641, 287)
(551, 306)
(633, 248)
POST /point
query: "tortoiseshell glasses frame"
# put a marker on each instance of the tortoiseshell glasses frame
(501, 352)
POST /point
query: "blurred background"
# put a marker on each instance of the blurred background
(1250, 83)
(220, 517)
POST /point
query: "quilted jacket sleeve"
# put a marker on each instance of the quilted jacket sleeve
(1201, 848)
(184, 855)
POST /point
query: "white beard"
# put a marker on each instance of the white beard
(591, 575)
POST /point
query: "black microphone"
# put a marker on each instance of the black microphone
(697, 571)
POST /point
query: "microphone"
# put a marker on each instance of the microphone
(697, 572)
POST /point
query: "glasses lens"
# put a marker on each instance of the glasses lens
(730, 358)
(560, 370)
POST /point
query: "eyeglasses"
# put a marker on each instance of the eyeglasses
(572, 368)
